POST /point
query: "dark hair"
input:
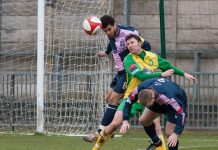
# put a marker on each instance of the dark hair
(133, 36)
(107, 20)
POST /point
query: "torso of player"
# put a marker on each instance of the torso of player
(121, 46)
(150, 62)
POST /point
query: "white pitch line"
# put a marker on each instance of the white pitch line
(186, 147)
(190, 147)
(203, 140)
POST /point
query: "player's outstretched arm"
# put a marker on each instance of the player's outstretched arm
(167, 73)
(125, 126)
(101, 54)
(166, 65)
(190, 77)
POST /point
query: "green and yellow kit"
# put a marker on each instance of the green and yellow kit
(143, 66)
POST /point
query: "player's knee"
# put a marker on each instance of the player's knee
(157, 124)
(115, 124)
(118, 123)
(168, 132)
(157, 121)
(113, 100)
(169, 129)
(106, 98)
(144, 122)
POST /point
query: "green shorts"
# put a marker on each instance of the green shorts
(136, 107)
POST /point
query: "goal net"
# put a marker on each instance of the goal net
(75, 79)
(74, 75)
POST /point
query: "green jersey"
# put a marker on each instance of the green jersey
(143, 66)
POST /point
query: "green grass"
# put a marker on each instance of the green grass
(134, 140)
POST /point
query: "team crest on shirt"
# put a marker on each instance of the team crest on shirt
(122, 43)
(150, 62)
(133, 69)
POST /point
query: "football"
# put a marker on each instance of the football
(92, 25)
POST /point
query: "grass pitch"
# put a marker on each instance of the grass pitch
(134, 140)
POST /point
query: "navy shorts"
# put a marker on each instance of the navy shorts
(118, 83)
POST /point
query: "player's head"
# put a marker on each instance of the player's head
(134, 43)
(146, 97)
(108, 25)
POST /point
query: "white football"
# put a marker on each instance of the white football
(92, 25)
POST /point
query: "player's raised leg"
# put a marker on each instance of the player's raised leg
(115, 93)
(112, 99)
(108, 131)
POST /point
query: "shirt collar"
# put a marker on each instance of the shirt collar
(118, 31)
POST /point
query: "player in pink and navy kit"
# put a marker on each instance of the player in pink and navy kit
(160, 96)
(117, 45)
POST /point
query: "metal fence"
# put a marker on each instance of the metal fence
(18, 99)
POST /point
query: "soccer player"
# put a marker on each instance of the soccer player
(139, 65)
(160, 96)
(117, 45)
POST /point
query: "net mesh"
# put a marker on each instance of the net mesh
(73, 95)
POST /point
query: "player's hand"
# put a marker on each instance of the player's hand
(125, 126)
(172, 140)
(167, 73)
(190, 77)
(101, 54)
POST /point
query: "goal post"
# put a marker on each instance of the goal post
(40, 67)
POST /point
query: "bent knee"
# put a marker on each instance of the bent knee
(144, 122)
(157, 121)
(169, 129)
(115, 124)
(157, 124)
(168, 132)
(113, 99)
